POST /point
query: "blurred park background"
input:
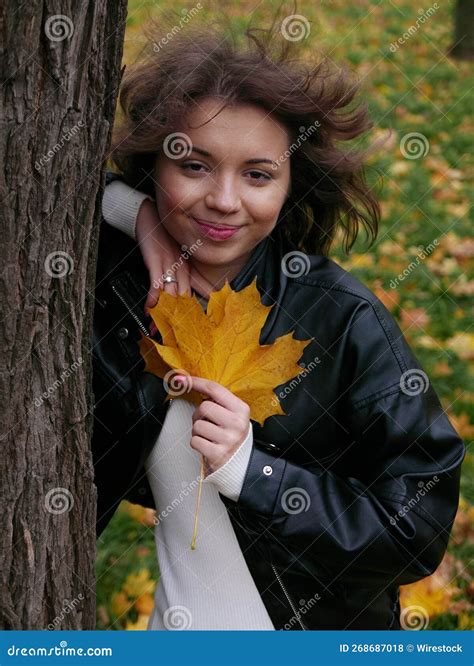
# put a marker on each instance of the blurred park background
(421, 265)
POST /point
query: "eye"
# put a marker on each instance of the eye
(192, 166)
(261, 176)
(256, 176)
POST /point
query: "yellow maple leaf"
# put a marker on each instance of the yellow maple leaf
(222, 345)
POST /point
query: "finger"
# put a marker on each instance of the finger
(170, 287)
(151, 298)
(213, 412)
(211, 452)
(207, 430)
(215, 392)
(158, 284)
(203, 446)
(184, 280)
(154, 289)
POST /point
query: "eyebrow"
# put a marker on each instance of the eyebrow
(254, 160)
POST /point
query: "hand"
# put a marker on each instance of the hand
(160, 252)
(220, 424)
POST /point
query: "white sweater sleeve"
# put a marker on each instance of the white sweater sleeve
(229, 478)
(120, 206)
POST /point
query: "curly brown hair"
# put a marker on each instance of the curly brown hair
(328, 192)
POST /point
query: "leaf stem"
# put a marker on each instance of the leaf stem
(198, 502)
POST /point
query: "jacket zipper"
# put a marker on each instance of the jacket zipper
(141, 325)
(295, 612)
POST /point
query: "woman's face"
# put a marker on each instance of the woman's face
(225, 177)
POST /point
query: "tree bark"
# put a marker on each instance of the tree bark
(60, 73)
(463, 47)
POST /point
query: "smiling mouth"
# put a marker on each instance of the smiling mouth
(212, 225)
(216, 233)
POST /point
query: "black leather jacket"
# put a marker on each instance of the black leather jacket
(350, 494)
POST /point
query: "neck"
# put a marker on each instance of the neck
(206, 279)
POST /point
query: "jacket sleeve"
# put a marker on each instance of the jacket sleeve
(389, 523)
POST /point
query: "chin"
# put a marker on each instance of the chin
(215, 257)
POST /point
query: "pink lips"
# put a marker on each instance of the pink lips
(214, 233)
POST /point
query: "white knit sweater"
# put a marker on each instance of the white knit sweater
(209, 587)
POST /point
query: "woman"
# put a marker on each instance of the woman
(313, 520)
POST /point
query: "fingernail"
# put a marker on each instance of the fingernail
(180, 378)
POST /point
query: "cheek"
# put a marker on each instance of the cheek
(164, 205)
(265, 212)
(170, 203)
(174, 196)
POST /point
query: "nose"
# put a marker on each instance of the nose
(223, 196)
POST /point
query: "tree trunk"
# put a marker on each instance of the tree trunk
(463, 47)
(60, 72)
